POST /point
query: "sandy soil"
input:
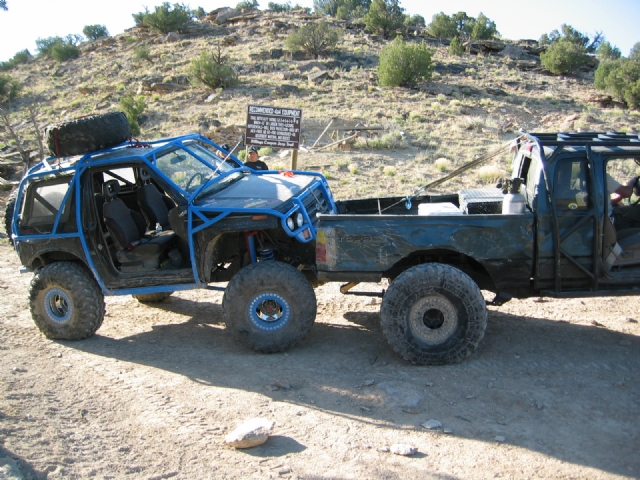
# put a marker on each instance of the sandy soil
(552, 392)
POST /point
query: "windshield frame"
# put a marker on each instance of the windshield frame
(201, 164)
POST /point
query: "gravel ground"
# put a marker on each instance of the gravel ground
(552, 392)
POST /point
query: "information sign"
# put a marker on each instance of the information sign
(273, 127)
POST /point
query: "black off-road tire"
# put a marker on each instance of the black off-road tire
(66, 302)
(152, 297)
(87, 134)
(269, 306)
(8, 214)
(433, 314)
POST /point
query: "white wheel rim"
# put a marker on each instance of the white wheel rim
(433, 319)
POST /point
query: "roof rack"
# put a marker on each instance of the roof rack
(584, 138)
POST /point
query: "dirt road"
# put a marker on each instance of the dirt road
(552, 392)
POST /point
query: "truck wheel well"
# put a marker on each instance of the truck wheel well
(463, 262)
(47, 258)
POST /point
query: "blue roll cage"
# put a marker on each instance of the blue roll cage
(148, 159)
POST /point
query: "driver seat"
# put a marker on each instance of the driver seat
(127, 228)
(154, 205)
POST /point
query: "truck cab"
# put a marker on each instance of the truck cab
(583, 245)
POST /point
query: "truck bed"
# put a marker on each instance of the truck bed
(376, 238)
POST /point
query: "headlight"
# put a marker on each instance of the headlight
(290, 224)
(299, 219)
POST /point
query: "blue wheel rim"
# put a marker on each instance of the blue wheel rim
(58, 306)
(269, 312)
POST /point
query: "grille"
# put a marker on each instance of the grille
(315, 202)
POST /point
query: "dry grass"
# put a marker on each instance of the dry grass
(443, 164)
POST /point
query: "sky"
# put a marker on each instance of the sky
(619, 20)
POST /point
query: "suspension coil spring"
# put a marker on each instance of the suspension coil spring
(266, 254)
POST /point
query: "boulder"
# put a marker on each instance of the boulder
(285, 90)
(311, 65)
(251, 433)
(299, 55)
(513, 52)
(276, 53)
(225, 14)
(318, 77)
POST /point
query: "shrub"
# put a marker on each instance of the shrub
(462, 26)
(64, 51)
(491, 173)
(456, 48)
(165, 18)
(414, 21)
(65, 47)
(389, 171)
(483, 28)
(390, 141)
(44, 45)
(248, 5)
(341, 163)
(133, 107)
(142, 52)
(346, 7)
(23, 56)
(564, 57)
(569, 34)
(606, 51)
(9, 89)
(342, 13)
(210, 70)
(442, 164)
(279, 7)
(404, 64)
(384, 16)
(198, 13)
(621, 78)
(93, 32)
(442, 26)
(315, 39)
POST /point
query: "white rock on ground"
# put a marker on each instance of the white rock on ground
(432, 424)
(403, 449)
(251, 433)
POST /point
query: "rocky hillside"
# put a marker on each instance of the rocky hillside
(473, 104)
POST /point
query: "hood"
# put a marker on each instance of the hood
(267, 190)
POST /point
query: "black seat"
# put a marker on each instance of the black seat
(154, 205)
(127, 228)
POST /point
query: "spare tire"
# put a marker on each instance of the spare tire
(87, 134)
(8, 214)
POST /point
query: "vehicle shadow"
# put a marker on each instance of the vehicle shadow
(13, 466)
(546, 386)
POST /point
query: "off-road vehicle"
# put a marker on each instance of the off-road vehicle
(106, 215)
(440, 251)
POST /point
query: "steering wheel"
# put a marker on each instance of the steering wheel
(193, 177)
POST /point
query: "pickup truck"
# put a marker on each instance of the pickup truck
(440, 251)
